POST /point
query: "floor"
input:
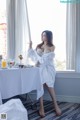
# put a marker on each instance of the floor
(70, 111)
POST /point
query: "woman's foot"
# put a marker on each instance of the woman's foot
(41, 113)
(58, 110)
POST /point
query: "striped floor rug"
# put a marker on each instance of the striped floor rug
(70, 111)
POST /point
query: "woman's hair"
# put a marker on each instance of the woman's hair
(49, 36)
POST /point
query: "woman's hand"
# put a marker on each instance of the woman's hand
(30, 44)
(37, 64)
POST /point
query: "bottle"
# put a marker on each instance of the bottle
(4, 63)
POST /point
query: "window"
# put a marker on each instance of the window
(3, 28)
(49, 14)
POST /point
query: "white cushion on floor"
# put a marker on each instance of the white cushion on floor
(14, 110)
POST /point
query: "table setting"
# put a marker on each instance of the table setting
(10, 63)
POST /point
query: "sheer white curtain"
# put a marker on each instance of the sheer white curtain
(71, 36)
(18, 27)
(78, 37)
(11, 28)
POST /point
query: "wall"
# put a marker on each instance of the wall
(67, 87)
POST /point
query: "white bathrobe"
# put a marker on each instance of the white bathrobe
(47, 69)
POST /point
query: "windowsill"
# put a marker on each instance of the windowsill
(67, 71)
(67, 74)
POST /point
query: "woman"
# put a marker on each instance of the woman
(44, 55)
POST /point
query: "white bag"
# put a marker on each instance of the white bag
(13, 110)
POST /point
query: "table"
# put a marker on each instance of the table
(16, 81)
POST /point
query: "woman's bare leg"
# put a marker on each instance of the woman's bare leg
(53, 96)
(41, 110)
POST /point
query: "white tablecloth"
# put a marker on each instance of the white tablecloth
(17, 81)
